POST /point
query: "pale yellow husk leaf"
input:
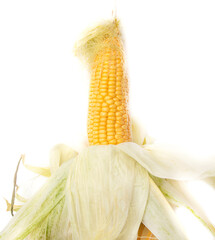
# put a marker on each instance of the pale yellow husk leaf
(102, 193)
(99, 194)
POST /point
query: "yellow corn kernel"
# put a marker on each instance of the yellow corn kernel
(118, 136)
(105, 109)
(111, 118)
(103, 119)
(110, 101)
(113, 141)
(112, 82)
(110, 137)
(144, 233)
(102, 131)
(103, 114)
(110, 121)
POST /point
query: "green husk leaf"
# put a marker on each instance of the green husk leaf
(210, 181)
(178, 195)
(43, 171)
(165, 162)
(140, 135)
(160, 218)
(38, 208)
(99, 194)
(60, 154)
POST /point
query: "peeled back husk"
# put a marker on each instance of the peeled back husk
(99, 194)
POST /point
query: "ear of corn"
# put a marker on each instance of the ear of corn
(87, 200)
(108, 117)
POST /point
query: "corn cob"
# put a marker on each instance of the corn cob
(108, 116)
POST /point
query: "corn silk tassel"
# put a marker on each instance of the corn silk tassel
(122, 185)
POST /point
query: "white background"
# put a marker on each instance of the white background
(44, 88)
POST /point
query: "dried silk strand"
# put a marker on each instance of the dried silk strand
(15, 185)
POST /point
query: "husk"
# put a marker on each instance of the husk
(30, 217)
(109, 191)
(160, 218)
(99, 194)
(104, 192)
(176, 192)
(165, 162)
(44, 171)
(140, 135)
(60, 154)
(210, 181)
(178, 195)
